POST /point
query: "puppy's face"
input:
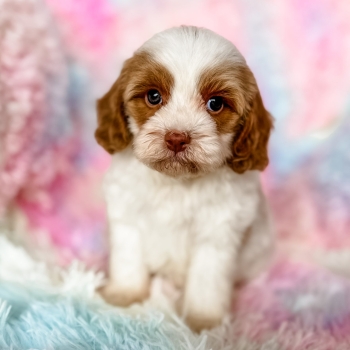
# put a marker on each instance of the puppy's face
(189, 104)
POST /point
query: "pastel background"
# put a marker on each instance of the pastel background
(57, 57)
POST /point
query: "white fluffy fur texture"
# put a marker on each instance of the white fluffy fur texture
(43, 308)
(63, 308)
(187, 229)
(17, 266)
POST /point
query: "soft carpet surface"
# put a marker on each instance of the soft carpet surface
(293, 306)
(43, 308)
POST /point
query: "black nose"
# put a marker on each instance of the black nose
(176, 141)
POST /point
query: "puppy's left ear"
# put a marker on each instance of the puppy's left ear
(112, 131)
(249, 148)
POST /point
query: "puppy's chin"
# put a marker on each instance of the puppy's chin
(177, 167)
(170, 164)
(182, 165)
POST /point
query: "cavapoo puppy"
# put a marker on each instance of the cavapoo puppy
(188, 132)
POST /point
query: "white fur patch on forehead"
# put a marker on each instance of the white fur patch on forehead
(187, 50)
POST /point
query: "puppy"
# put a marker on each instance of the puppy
(188, 132)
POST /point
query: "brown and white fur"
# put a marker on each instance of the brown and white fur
(198, 217)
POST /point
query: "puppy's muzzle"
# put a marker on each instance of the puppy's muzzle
(176, 141)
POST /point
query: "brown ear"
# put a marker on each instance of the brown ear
(250, 144)
(112, 132)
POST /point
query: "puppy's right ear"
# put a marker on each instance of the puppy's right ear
(112, 131)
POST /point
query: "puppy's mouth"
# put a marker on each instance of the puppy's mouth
(193, 158)
(176, 164)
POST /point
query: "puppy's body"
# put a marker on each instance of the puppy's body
(204, 233)
(192, 211)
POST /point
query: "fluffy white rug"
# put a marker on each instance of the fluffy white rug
(43, 307)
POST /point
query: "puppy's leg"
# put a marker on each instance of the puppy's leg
(128, 275)
(257, 246)
(208, 290)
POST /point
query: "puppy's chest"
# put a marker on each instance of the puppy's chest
(159, 205)
(171, 213)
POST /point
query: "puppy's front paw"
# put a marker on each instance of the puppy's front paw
(123, 297)
(197, 322)
(201, 314)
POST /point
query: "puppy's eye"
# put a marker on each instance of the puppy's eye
(153, 97)
(215, 104)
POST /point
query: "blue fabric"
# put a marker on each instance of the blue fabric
(34, 319)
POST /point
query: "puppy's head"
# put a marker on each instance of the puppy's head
(189, 104)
